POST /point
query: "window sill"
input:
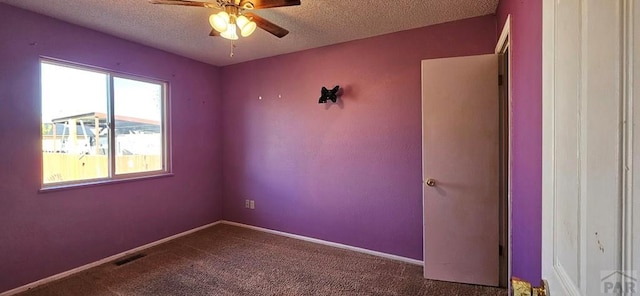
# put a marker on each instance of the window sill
(53, 188)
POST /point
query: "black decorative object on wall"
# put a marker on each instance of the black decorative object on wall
(329, 94)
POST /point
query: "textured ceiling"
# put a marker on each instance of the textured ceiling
(185, 30)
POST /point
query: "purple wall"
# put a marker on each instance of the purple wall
(526, 87)
(348, 172)
(42, 234)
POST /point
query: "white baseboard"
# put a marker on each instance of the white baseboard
(101, 261)
(327, 243)
(155, 243)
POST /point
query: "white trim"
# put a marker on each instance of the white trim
(549, 271)
(326, 243)
(629, 15)
(504, 44)
(633, 197)
(503, 41)
(422, 159)
(101, 261)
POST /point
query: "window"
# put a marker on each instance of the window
(98, 125)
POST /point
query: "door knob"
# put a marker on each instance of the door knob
(430, 182)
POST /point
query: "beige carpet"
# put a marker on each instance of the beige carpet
(229, 260)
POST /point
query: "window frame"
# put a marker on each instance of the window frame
(112, 177)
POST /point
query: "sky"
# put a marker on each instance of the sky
(70, 91)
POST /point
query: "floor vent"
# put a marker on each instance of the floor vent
(129, 259)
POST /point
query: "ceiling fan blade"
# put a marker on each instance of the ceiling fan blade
(267, 25)
(214, 33)
(185, 3)
(261, 4)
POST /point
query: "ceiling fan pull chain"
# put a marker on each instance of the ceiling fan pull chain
(233, 46)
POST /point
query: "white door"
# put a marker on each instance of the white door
(586, 168)
(460, 157)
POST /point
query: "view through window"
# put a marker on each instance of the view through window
(100, 125)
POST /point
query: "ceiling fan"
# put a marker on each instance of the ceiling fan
(234, 16)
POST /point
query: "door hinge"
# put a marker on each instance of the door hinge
(500, 250)
(499, 79)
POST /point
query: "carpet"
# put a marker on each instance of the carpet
(230, 260)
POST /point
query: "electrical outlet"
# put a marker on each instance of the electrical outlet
(246, 203)
(252, 204)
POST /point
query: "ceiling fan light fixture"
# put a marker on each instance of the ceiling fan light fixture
(230, 33)
(245, 25)
(220, 21)
(224, 23)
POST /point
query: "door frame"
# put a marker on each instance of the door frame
(503, 47)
